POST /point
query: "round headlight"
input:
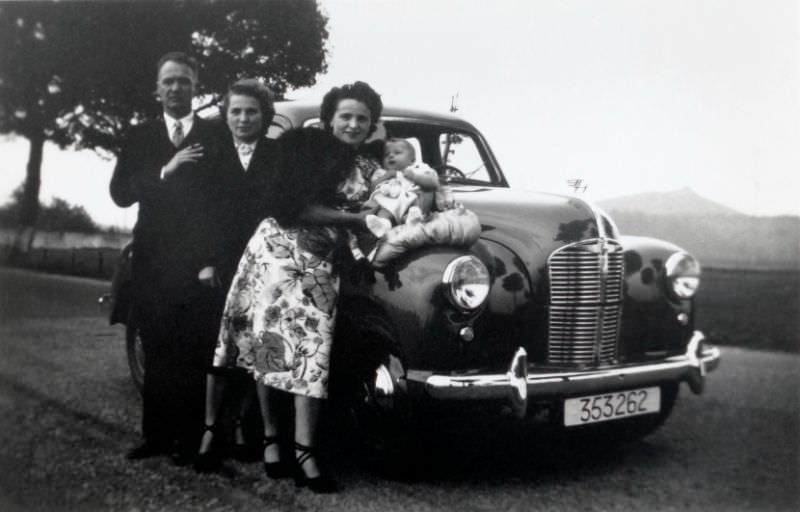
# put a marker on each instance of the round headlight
(683, 275)
(466, 281)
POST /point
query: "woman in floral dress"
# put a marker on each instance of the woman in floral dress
(279, 315)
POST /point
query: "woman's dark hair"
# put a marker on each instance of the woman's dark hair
(256, 90)
(311, 164)
(359, 91)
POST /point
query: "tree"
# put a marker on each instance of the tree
(80, 73)
(9, 212)
(59, 215)
(63, 216)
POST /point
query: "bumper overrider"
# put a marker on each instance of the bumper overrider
(518, 386)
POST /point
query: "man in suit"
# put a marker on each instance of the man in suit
(176, 292)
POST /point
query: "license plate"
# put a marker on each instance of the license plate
(611, 406)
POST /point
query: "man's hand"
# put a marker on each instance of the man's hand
(208, 276)
(189, 154)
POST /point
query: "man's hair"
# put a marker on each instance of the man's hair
(180, 58)
(253, 88)
(403, 142)
(359, 91)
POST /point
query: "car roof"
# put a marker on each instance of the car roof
(297, 112)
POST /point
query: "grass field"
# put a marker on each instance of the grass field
(753, 309)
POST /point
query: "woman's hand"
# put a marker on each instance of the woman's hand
(189, 154)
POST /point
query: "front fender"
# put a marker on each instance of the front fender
(653, 322)
(411, 298)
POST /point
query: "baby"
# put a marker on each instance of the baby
(402, 191)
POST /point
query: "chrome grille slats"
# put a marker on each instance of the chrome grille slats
(585, 302)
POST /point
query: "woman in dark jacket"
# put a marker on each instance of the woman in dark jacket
(242, 163)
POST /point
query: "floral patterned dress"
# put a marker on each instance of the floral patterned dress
(279, 313)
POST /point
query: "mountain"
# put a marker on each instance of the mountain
(717, 235)
(682, 201)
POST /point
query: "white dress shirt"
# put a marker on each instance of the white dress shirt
(245, 151)
(186, 123)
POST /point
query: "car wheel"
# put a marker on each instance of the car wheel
(135, 351)
(382, 427)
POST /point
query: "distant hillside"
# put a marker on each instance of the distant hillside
(717, 235)
(683, 201)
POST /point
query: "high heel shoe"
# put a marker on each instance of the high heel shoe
(243, 452)
(209, 460)
(321, 483)
(275, 469)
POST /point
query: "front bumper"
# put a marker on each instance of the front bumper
(518, 386)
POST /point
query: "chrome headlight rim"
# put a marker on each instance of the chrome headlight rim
(682, 275)
(464, 294)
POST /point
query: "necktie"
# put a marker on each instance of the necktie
(177, 134)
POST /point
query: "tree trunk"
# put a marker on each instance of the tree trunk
(29, 206)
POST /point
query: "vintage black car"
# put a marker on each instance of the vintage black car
(553, 310)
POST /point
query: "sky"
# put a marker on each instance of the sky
(630, 96)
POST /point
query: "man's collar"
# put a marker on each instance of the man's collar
(185, 119)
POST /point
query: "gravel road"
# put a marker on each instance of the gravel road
(68, 412)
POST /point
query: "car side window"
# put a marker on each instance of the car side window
(462, 158)
(279, 125)
(274, 131)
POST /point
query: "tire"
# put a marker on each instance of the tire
(135, 352)
(382, 436)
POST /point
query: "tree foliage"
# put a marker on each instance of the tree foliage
(80, 73)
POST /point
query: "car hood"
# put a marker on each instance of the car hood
(531, 224)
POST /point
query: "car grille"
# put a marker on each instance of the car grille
(585, 302)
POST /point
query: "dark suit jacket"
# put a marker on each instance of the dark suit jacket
(172, 237)
(243, 198)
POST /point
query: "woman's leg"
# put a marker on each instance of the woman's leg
(271, 449)
(215, 387)
(306, 410)
(248, 394)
